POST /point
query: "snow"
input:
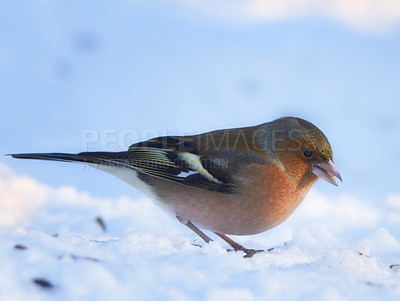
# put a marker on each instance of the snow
(334, 247)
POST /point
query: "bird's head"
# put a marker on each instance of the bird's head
(303, 149)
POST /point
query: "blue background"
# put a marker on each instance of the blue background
(150, 68)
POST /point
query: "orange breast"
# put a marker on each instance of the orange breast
(266, 197)
(274, 194)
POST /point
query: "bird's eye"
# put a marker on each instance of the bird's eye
(307, 152)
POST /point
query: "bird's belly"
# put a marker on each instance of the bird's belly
(233, 214)
(237, 214)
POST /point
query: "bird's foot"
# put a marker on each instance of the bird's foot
(249, 253)
(196, 244)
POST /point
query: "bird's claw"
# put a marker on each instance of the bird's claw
(249, 253)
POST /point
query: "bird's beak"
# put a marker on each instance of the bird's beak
(327, 171)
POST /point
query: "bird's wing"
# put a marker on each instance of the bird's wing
(185, 160)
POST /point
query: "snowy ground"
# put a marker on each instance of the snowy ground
(330, 249)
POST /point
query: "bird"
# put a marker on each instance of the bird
(240, 181)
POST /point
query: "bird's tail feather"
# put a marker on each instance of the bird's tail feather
(100, 158)
(115, 163)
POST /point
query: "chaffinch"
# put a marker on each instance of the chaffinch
(235, 181)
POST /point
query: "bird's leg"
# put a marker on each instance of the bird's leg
(194, 229)
(231, 242)
(237, 247)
